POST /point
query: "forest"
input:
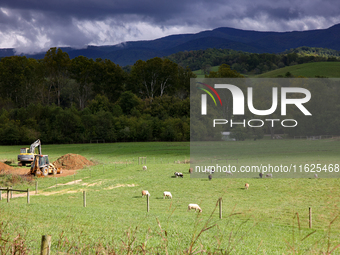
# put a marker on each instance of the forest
(251, 63)
(63, 100)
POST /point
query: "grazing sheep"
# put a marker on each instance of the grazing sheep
(167, 194)
(269, 175)
(316, 176)
(178, 174)
(210, 177)
(145, 193)
(260, 174)
(229, 173)
(145, 168)
(191, 170)
(194, 206)
(246, 186)
(212, 170)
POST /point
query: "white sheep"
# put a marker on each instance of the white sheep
(269, 175)
(145, 193)
(167, 194)
(194, 206)
(145, 168)
(229, 173)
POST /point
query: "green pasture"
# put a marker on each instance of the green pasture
(311, 70)
(322, 69)
(200, 73)
(271, 217)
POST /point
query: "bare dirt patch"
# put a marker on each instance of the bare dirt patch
(120, 185)
(69, 163)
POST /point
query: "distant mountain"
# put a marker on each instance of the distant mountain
(225, 38)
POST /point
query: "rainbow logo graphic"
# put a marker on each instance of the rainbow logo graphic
(204, 97)
(208, 92)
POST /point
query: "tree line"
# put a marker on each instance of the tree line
(251, 63)
(63, 100)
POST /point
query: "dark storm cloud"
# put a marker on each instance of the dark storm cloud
(30, 25)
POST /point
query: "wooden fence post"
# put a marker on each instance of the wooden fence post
(7, 194)
(310, 217)
(28, 196)
(46, 245)
(147, 203)
(0, 194)
(84, 198)
(220, 206)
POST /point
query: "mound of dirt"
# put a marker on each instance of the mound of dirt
(72, 162)
(5, 167)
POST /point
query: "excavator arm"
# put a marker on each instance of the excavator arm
(34, 145)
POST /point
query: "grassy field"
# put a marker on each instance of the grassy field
(271, 217)
(200, 73)
(325, 69)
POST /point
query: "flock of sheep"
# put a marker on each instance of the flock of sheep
(167, 194)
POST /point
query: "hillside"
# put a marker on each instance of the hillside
(321, 69)
(128, 53)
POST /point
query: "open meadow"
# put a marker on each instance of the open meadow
(271, 217)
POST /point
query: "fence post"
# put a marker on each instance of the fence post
(220, 206)
(0, 194)
(84, 198)
(36, 187)
(7, 194)
(46, 245)
(147, 203)
(310, 217)
(28, 196)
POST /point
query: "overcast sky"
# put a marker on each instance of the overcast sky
(36, 25)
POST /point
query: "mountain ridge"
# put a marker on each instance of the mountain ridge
(127, 53)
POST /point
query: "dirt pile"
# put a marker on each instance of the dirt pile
(5, 167)
(72, 162)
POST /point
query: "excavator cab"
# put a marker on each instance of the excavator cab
(41, 166)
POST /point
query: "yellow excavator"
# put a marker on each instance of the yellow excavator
(41, 166)
(26, 155)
